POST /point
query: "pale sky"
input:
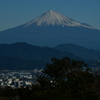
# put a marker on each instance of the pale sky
(17, 12)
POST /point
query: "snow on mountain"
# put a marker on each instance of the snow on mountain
(55, 18)
(53, 28)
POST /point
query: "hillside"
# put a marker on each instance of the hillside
(22, 55)
(80, 51)
(30, 52)
(25, 56)
(14, 63)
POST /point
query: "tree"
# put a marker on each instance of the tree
(68, 80)
(62, 79)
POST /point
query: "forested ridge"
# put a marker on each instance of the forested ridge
(24, 56)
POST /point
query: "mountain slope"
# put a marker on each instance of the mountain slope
(25, 56)
(14, 63)
(55, 18)
(53, 28)
(80, 51)
(31, 52)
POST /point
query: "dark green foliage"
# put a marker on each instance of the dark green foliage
(63, 79)
(7, 93)
(69, 80)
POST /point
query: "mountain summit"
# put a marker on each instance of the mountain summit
(52, 28)
(55, 18)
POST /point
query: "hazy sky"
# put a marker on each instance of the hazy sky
(17, 12)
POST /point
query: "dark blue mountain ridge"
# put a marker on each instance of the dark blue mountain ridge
(31, 52)
(22, 55)
(80, 51)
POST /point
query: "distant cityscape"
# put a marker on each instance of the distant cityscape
(18, 78)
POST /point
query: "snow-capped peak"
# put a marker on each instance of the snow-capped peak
(55, 18)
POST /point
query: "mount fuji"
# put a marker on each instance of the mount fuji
(52, 28)
(55, 18)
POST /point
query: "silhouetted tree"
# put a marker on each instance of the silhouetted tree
(68, 80)
(62, 79)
